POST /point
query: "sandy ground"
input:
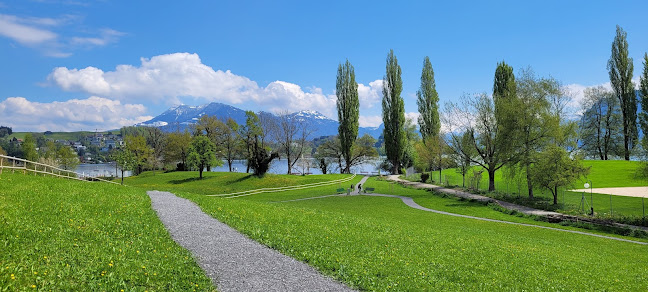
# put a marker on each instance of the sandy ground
(626, 191)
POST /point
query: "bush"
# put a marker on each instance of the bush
(424, 177)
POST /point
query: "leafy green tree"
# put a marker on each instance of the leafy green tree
(29, 148)
(67, 158)
(348, 109)
(259, 156)
(5, 131)
(201, 154)
(643, 92)
(555, 168)
(140, 150)
(620, 70)
(2, 159)
(231, 144)
(601, 124)
(125, 160)
(428, 103)
(393, 112)
(176, 149)
(248, 132)
(534, 122)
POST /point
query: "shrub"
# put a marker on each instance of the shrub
(424, 177)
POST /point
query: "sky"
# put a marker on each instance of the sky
(68, 65)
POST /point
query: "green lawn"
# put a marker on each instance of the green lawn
(214, 183)
(374, 243)
(65, 235)
(611, 173)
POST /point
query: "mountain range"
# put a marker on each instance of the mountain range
(181, 117)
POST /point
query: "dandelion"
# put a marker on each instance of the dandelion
(33, 286)
(13, 277)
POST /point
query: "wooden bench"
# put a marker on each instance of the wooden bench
(369, 190)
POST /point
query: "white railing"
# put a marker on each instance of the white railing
(19, 164)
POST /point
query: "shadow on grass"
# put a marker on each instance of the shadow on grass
(186, 180)
(240, 179)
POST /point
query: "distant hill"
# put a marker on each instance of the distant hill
(181, 117)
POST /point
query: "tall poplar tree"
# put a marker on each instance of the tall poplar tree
(428, 103)
(393, 111)
(643, 91)
(348, 108)
(620, 69)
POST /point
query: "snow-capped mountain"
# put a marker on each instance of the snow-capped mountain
(181, 117)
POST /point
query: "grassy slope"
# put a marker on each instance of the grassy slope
(214, 183)
(379, 243)
(68, 235)
(611, 173)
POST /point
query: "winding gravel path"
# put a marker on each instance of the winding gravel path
(233, 261)
(410, 202)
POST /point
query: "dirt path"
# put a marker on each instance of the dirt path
(640, 192)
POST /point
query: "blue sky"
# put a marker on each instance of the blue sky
(83, 65)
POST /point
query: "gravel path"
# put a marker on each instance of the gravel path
(233, 261)
(410, 202)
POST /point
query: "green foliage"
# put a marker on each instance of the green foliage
(348, 109)
(425, 176)
(554, 169)
(176, 149)
(428, 102)
(231, 143)
(620, 69)
(393, 112)
(140, 150)
(67, 158)
(5, 131)
(201, 154)
(29, 148)
(69, 235)
(643, 93)
(125, 160)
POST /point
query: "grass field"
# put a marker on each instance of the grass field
(374, 243)
(63, 235)
(611, 173)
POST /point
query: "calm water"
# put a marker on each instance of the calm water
(281, 167)
(100, 169)
(277, 167)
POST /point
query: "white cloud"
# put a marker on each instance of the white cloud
(39, 33)
(172, 77)
(369, 121)
(413, 116)
(577, 93)
(72, 115)
(106, 36)
(18, 30)
(370, 95)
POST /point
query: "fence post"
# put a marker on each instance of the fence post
(1, 159)
(14, 165)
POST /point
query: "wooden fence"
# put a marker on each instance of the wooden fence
(26, 166)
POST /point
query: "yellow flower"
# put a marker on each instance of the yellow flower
(33, 286)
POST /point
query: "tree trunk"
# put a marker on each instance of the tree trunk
(229, 163)
(463, 180)
(555, 195)
(200, 171)
(626, 136)
(529, 183)
(122, 177)
(289, 168)
(491, 179)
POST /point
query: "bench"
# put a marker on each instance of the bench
(341, 190)
(369, 190)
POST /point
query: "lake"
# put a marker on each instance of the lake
(277, 167)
